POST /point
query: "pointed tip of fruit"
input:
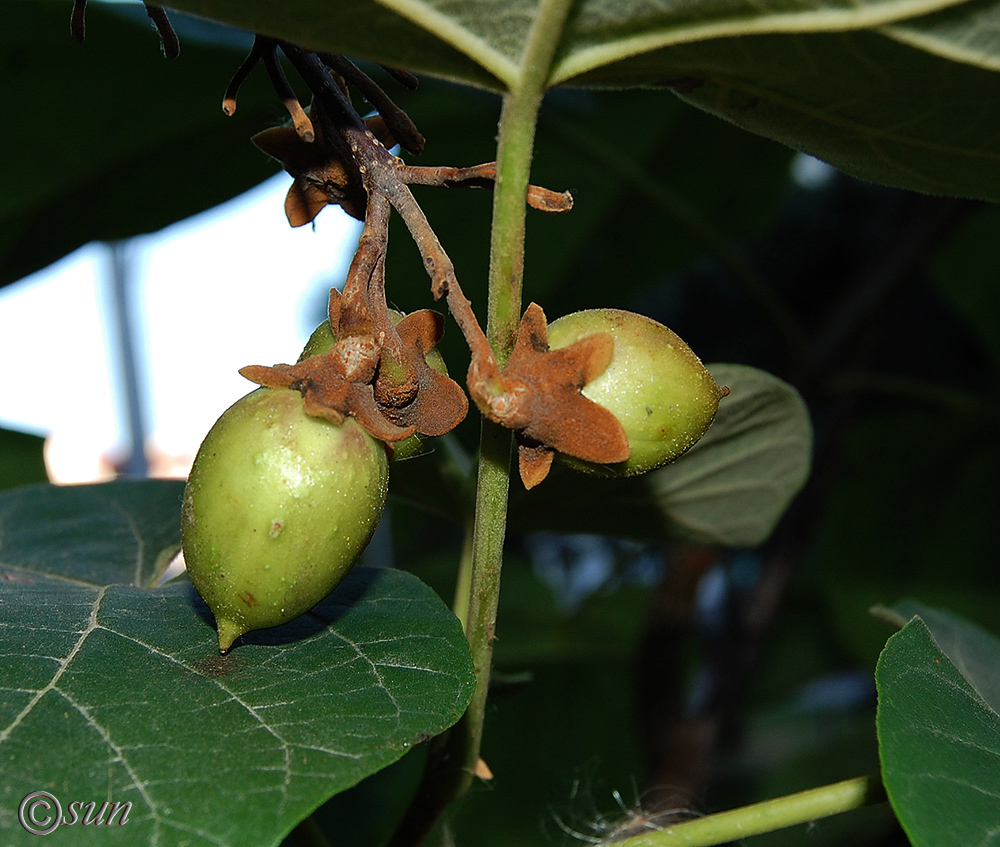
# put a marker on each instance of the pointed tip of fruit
(229, 631)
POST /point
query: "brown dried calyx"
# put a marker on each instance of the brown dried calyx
(376, 370)
(322, 175)
(538, 395)
(326, 172)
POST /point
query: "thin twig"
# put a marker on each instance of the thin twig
(484, 176)
(398, 122)
(169, 42)
(404, 78)
(300, 120)
(78, 21)
(242, 72)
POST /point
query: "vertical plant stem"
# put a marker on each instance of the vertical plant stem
(518, 119)
(453, 757)
(514, 152)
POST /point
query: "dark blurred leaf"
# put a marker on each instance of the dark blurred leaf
(684, 187)
(536, 630)
(120, 692)
(111, 140)
(21, 459)
(562, 736)
(967, 270)
(939, 738)
(872, 106)
(734, 485)
(915, 488)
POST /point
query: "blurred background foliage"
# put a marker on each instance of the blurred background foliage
(677, 676)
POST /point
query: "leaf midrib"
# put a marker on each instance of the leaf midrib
(53, 683)
(581, 61)
(458, 36)
(823, 20)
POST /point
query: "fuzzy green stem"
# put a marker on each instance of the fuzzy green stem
(768, 816)
(453, 757)
(514, 152)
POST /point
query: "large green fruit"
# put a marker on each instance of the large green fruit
(277, 508)
(656, 386)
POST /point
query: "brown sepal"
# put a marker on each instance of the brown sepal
(534, 462)
(541, 399)
(303, 202)
(327, 394)
(321, 176)
(325, 382)
(438, 404)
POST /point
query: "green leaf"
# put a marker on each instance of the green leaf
(731, 488)
(974, 651)
(119, 692)
(446, 40)
(111, 140)
(734, 485)
(891, 91)
(493, 35)
(939, 735)
(869, 104)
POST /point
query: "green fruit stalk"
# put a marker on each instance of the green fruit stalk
(277, 508)
(656, 386)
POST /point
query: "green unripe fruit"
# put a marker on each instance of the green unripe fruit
(277, 508)
(320, 341)
(656, 386)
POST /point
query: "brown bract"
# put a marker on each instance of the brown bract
(321, 174)
(390, 395)
(430, 402)
(336, 158)
(538, 395)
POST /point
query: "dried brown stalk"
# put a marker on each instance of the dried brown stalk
(377, 371)
(169, 42)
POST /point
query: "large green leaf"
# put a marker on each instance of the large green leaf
(874, 107)
(939, 728)
(111, 140)
(898, 91)
(731, 488)
(735, 484)
(112, 690)
(493, 34)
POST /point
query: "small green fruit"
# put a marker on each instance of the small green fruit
(277, 508)
(656, 386)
